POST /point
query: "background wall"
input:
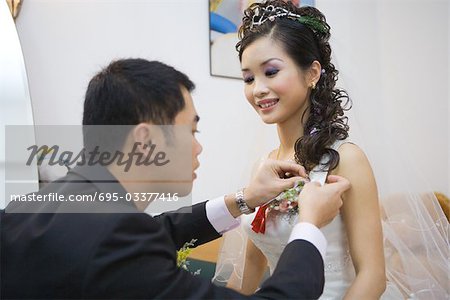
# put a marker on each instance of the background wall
(392, 54)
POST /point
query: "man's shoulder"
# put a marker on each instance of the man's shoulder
(74, 194)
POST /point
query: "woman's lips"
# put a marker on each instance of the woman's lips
(267, 105)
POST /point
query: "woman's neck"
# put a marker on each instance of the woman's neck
(288, 133)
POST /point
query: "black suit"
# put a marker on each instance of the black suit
(126, 255)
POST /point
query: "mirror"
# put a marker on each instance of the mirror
(15, 102)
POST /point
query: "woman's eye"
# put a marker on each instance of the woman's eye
(272, 72)
(248, 79)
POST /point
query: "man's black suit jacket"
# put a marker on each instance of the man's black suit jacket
(126, 255)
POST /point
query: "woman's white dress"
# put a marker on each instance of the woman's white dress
(414, 275)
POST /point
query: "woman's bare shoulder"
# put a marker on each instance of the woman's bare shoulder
(351, 157)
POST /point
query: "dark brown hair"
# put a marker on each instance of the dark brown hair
(128, 92)
(306, 42)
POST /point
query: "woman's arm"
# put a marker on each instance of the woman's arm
(361, 215)
(254, 268)
(255, 263)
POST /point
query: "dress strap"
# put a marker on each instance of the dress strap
(320, 172)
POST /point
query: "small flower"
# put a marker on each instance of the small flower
(287, 201)
(284, 206)
(314, 130)
(183, 254)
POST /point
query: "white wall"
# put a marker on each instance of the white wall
(65, 42)
(394, 56)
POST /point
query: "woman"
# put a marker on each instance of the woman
(290, 81)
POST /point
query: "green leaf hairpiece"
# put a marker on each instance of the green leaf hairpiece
(313, 23)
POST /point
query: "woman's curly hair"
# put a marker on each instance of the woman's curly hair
(306, 42)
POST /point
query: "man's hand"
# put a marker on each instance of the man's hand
(320, 204)
(270, 180)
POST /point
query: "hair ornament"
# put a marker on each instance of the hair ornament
(261, 15)
(314, 130)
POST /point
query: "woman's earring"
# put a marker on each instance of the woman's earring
(313, 85)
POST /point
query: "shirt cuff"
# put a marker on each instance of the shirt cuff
(219, 216)
(309, 232)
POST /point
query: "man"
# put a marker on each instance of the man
(129, 254)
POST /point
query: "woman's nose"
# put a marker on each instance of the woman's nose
(260, 89)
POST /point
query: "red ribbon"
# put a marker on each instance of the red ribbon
(259, 222)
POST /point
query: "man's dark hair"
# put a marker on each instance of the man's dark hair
(131, 91)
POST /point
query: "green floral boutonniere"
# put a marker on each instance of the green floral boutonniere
(183, 254)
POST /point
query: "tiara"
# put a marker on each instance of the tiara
(271, 13)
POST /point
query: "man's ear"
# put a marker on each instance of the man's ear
(142, 135)
(314, 72)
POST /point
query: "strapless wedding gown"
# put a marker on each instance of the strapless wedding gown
(339, 270)
(416, 247)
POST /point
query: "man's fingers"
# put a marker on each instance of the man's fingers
(302, 171)
(317, 184)
(338, 179)
(290, 182)
(290, 167)
(340, 182)
(334, 178)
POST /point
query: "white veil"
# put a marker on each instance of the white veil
(415, 228)
(393, 58)
(392, 99)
